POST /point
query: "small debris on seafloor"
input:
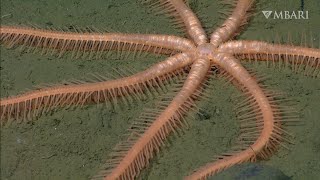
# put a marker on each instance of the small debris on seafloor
(6, 15)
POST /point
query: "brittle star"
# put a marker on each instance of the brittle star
(200, 53)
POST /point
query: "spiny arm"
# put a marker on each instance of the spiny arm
(33, 103)
(184, 17)
(154, 127)
(258, 50)
(80, 43)
(231, 25)
(265, 128)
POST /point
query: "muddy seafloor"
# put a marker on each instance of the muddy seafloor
(74, 143)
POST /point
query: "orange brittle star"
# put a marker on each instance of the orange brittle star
(200, 53)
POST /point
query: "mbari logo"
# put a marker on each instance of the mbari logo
(286, 14)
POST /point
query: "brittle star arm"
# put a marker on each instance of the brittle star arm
(263, 51)
(231, 25)
(35, 102)
(267, 123)
(79, 43)
(184, 15)
(152, 130)
(191, 22)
